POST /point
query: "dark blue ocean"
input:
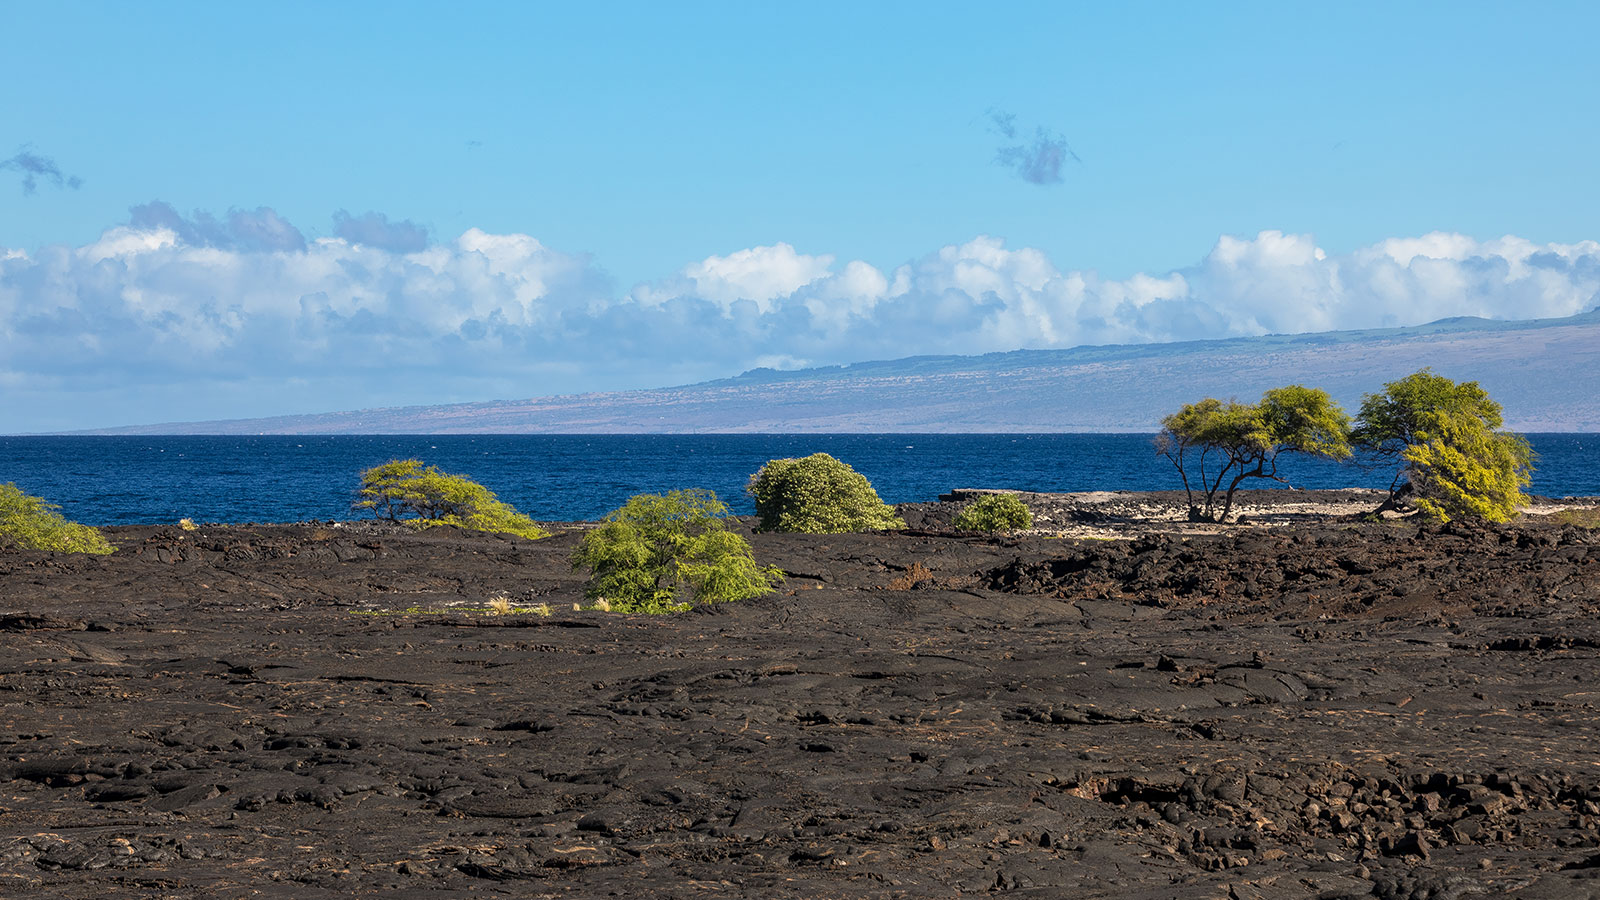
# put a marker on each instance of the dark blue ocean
(131, 480)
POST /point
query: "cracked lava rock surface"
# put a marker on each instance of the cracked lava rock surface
(1329, 709)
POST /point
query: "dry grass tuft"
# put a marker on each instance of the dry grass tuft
(188, 525)
(914, 576)
(1586, 517)
(500, 604)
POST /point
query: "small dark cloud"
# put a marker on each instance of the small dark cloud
(1003, 123)
(1038, 162)
(474, 145)
(263, 229)
(35, 167)
(258, 229)
(202, 231)
(375, 230)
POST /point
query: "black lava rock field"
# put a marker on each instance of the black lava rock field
(1335, 709)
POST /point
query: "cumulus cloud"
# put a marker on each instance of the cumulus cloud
(375, 230)
(1037, 161)
(759, 275)
(35, 167)
(246, 230)
(167, 310)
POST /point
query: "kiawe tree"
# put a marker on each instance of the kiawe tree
(30, 523)
(405, 490)
(1393, 419)
(1454, 459)
(1217, 446)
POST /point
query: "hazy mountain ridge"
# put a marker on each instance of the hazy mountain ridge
(1545, 371)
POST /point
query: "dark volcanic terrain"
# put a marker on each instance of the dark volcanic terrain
(1328, 710)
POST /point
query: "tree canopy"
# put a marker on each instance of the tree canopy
(1453, 455)
(30, 523)
(664, 553)
(1216, 445)
(404, 490)
(1391, 419)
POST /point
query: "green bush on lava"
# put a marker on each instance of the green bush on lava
(665, 553)
(995, 513)
(818, 495)
(29, 523)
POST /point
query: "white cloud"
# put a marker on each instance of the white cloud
(126, 242)
(780, 361)
(759, 275)
(170, 318)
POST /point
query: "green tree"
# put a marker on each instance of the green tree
(818, 495)
(1445, 435)
(29, 523)
(1217, 446)
(665, 553)
(405, 490)
(1390, 420)
(994, 513)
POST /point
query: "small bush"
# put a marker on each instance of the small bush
(665, 553)
(32, 524)
(423, 497)
(818, 495)
(917, 574)
(995, 513)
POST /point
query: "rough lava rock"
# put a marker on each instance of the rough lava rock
(1329, 709)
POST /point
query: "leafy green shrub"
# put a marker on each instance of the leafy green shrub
(665, 553)
(32, 524)
(423, 497)
(817, 495)
(994, 513)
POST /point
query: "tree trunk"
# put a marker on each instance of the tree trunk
(1396, 501)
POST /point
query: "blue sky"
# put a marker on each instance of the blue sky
(709, 187)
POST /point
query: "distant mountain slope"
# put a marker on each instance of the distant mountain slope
(1545, 371)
